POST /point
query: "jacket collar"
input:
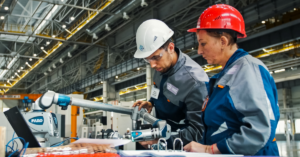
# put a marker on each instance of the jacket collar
(180, 62)
(237, 54)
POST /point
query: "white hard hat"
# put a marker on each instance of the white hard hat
(150, 36)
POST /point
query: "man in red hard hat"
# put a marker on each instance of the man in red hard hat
(241, 111)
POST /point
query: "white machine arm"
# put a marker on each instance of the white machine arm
(49, 98)
(157, 129)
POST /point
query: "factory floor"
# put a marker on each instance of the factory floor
(289, 151)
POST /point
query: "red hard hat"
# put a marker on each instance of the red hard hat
(221, 16)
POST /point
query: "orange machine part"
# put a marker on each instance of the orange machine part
(74, 114)
(20, 96)
(74, 122)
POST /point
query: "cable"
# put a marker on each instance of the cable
(10, 147)
(12, 153)
(12, 138)
(26, 146)
(7, 145)
(60, 143)
(16, 144)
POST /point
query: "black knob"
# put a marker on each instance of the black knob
(64, 107)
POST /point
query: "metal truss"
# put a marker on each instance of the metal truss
(179, 21)
(72, 73)
(52, 25)
(105, 74)
(192, 11)
(84, 5)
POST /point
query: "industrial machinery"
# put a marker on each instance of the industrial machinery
(154, 129)
(44, 125)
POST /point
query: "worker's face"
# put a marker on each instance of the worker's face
(209, 47)
(161, 64)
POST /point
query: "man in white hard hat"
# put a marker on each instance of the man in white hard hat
(179, 80)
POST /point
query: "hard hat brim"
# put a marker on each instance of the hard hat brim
(137, 54)
(195, 30)
(192, 30)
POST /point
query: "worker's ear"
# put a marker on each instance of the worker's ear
(171, 47)
(224, 41)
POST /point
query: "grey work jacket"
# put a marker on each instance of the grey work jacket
(182, 93)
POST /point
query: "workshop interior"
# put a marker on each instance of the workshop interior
(147, 78)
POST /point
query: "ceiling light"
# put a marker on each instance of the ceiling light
(63, 26)
(269, 50)
(21, 67)
(192, 48)
(34, 55)
(28, 64)
(54, 66)
(101, 81)
(69, 54)
(125, 16)
(61, 61)
(45, 74)
(15, 73)
(18, 75)
(295, 9)
(30, 59)
(294, 68)
(48, 42)
(263, 22)
(107, 28)
(117, 77)
(42, 48)
(144, 3)
(72, 18)
(50, 14)
(53, 36)
(278, 71)
(2, 17)
(12, 77)
(4, 84)
(138, 69)
(6, 8)
(18, 71)
(95, 36)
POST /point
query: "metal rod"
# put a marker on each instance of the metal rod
(100, 106)
(23, 56)
(78, 7)
(50, 38)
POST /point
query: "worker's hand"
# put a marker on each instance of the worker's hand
(200, 148)
(146, 143)
(144, 104)
(196, 147)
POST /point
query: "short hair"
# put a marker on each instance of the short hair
(166, 44)
(218, 33)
